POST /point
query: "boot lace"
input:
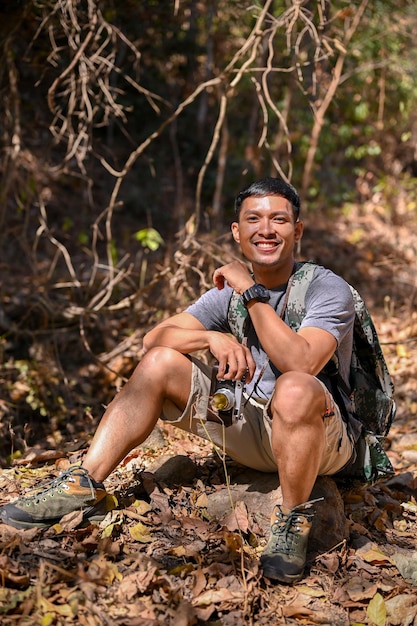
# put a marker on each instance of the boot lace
(286, 529)
(58, 484)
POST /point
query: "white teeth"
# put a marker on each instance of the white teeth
(266, 245)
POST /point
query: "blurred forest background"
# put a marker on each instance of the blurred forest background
(126, 131)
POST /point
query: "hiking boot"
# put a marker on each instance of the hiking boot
(284, 557)
(72, 490)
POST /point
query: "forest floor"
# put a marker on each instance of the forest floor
(159, 558)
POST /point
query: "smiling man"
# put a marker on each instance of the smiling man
(287, 421)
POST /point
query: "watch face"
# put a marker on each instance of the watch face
(262, 291)
(256, 292)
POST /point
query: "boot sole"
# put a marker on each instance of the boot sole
(24, 525)
(270, 572)
(89, 515)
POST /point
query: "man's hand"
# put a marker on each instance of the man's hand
(183, 332)
(236, 274)
(235, 360)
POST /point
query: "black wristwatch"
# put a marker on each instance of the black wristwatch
(256, 292)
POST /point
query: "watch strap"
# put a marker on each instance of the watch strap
(255, 292)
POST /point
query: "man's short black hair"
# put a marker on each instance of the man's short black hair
(270, 187)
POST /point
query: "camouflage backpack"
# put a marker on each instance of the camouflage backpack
(371, 387)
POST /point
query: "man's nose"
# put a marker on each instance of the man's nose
(266, 226)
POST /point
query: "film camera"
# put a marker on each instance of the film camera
(226, 398)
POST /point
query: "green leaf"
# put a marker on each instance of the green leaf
(149, 238)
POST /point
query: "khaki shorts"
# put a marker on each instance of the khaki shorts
(248, 441)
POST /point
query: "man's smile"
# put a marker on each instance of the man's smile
(266, 245)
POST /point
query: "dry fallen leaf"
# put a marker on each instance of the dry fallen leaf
(407, 565)
(140, 532)
(329, 561)
(238, 518)
(372, 554)
(216, 596)
(358, 588)
(376, 610)
(401, 609)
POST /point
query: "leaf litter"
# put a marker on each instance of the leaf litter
(157, 558)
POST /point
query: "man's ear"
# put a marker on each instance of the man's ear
(298, 230)
(235, 232)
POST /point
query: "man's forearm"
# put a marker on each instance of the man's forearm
(183, 340)
(307, 351)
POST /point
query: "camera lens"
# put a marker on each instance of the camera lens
(223, 400)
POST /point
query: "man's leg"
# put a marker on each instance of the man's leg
(162, 374)
(298, 434)
(298, 442)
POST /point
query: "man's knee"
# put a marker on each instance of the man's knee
(162, 357)
(297, 396)
(296, 385)
(162, 364)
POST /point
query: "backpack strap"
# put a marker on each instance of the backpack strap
(297, 287)
(237, 316)
(293, 309)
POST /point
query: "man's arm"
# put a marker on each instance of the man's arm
(184, 333)
(308, 350)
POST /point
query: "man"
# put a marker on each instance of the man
(290, 421)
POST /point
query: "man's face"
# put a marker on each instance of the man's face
(266, 231)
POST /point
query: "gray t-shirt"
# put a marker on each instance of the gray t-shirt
(329, 306)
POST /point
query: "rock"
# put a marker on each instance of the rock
(155, 441)
(405, 482)
(260, 492)
(174, 470)
(330, 526)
